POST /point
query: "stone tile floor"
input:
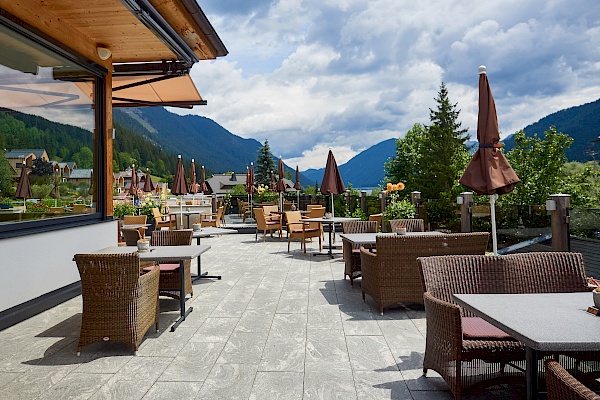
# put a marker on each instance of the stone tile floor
(277, 326)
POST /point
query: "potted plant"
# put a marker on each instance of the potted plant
(5, 204)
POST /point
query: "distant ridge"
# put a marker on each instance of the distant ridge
(582, 123)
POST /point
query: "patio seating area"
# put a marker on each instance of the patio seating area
(278, 325)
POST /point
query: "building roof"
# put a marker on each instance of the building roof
(81, 173)
(22, 153)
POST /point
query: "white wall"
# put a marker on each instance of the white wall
(33, 265)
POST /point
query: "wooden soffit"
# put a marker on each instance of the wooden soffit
(86, 25)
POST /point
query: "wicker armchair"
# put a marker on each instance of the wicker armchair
(297, 229)
(263, 224)
(134, 219)
(563, 386)
(118, 302)
(170, 282)
(131, 236)
(412, 224)
(352, 252)
(463, 356)
(392, 274)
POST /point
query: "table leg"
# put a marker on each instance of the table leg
(331, 227)
(200, 273)
(184, 312)
(531, 373)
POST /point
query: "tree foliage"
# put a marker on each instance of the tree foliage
(264, 165)
(431, 159)
(6, 177)
(539, 164)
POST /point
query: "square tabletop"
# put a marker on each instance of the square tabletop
(332, 220)
(542, 321)
(371, 237)
(158, 253)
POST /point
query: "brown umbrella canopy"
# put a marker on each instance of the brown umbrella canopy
(179, 184)
(148, 185)
(488, 172)
(273, 186)
(332, 180)
(194, 187)
(281, 173)
(133, 187)
(23, 188)
(297, 185)
(203, 185)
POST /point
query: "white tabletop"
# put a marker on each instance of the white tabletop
(371, 237)
(158, 253)
(333, 220)
(543, 321)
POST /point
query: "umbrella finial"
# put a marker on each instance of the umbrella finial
(482, 69)
(192, 160)
(178, 155)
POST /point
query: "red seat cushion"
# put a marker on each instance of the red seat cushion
(475, 328)
(164, 267)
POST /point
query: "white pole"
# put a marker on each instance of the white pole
(332, 210)
(493, 216)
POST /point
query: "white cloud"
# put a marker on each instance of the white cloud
(312, 74)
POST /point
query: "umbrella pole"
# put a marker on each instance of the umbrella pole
(181, 212)
(493, 216)
(332, 210)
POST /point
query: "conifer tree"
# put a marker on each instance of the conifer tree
(263, 165)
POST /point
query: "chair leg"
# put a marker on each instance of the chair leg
(288, 244)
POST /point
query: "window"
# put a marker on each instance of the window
(49, 118)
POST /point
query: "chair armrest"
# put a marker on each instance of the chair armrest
(444, 327)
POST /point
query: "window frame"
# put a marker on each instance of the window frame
(29, 32)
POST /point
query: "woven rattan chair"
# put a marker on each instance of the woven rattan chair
(301, 230)
(563, 386)
(131, 236)
(392, 274)
(263, 224)
(134, 219)
(119, 304)
(465, 358)
(411, 224)
(169, 273)
(352, 252)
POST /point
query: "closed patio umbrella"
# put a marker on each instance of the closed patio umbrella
(179, 185)
(194, 186)
(23, 187)
(489, 172)
(203, 185)
(280, 182)
(298, 186)
(148, 185)
(332, 180)
(133, 187)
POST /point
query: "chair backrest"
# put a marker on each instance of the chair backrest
(547, 272)
(259, 215)
(359, 226)
(316, 212)
(563, 386)
(311, 206)
(412, 224)
(79, 208)
(131, 236)
(158, 217)
(134, 219)
(377, 218)
(176, 237)
(270, 210)
(106, 275)
(219, 217)
(293, 217)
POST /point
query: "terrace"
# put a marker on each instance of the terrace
(278, 325)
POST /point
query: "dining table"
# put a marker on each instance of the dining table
(331, 222)
(543, 322)
(204, 233)
(165, 254)
(370, 238)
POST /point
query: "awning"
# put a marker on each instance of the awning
(140, 91)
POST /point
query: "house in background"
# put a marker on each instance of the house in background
(79, 175)
(223, 183)
(18, 157)
(65, 168)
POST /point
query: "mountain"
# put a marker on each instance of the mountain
(364, 170)
(581, 123)
(191, 136)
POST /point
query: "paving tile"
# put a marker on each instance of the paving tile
(288, 325)
(255, 321)
(328, 380)
(173, 390)
(369, 353)
(283, 354)
(193, 363)
(77, 386)
(277, 385)
(381, 385)
(215, 330)
(229, 382)
(244, 348)
(326, 346)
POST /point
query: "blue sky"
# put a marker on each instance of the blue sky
(312, 74)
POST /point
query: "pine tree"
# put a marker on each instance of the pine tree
(264, 165)
(444, 152)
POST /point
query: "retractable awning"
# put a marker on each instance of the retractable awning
(140, 91)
